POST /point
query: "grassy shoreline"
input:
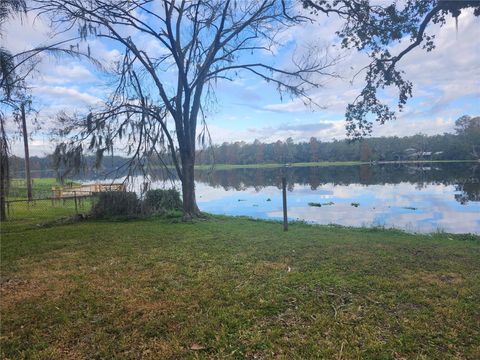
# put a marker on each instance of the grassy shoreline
(325, 164)
(237, 288)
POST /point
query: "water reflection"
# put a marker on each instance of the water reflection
(443, 197)
(420, 198)
(465, 177)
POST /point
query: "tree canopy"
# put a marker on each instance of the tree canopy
(161, 96)
(375, 28)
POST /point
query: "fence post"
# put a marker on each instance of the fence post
(76, 206)
(284, 197)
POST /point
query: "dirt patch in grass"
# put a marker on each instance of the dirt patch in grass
(35, 287)
(36, 279)
(439, 279)
(15, 290)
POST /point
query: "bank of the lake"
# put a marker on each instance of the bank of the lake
(418, 197)
(236, 288)
(324, 164)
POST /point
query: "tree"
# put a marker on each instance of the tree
(279, 151)
(365, 152)
(289, 150)
(469, 129)
(259, 151)
(374, 28)
(202, 42)
(466, 125)
(313, 145)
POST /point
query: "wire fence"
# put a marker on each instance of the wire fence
(42, 207)
(54, 203)
(49, 208)
(47, 203)
(50, 200)
(41, 189)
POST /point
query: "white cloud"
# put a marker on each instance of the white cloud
(322, 130)
(74, 72)
(69, 96)
(447, 74)
(441, 78)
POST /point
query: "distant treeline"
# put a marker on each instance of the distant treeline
(463, 145)
(418, 147)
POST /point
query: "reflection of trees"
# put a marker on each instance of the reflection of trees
(420, 185)
(365, 173)
(470, 191)
(314, 178)
(465, 177)
(446, 174)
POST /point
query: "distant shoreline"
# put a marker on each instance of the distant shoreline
(324, 164)
(299, 164)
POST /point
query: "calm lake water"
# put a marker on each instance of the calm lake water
(422, 198)
(416, 198)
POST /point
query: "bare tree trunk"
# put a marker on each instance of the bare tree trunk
(190, 208)
(27, 153)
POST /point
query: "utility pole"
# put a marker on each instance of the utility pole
(4, 173)
(27, 153)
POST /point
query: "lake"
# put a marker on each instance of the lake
(413, 197)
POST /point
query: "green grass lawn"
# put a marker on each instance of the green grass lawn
(236, 288)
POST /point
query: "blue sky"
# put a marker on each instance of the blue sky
(446, 86)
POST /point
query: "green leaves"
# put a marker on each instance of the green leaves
(375, 29)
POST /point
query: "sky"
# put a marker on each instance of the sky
(446, 85)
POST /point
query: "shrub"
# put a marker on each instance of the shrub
(161, 201)
(116, 203)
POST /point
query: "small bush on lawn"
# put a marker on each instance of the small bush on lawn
(116, 204)
(162, 201)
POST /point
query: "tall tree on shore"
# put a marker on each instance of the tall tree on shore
(313, 149)
(469, 129)
(201, 42)
(259, 150)
(374, 28)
